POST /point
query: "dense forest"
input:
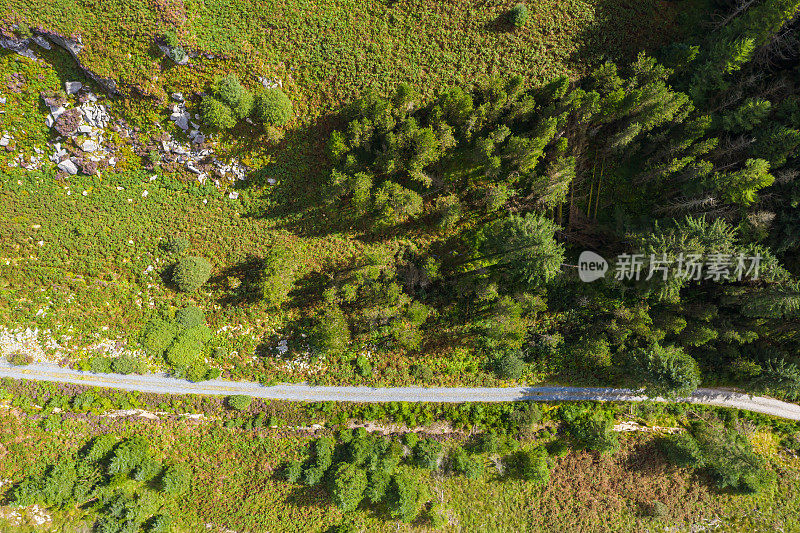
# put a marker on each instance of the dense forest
(684, 156)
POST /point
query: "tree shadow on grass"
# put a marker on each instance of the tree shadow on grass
(623, 28)
(293, 180)
(247, 274)
(647, 458)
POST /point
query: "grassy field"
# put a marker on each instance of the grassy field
(82, 259)
(329, 51)
(586, 492)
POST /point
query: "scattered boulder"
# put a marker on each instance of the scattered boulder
(73, 87)
(68, 166)
(90, 146)
(67, 122)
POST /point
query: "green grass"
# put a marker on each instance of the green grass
(587, 492)
(67, 263)
(327, 51)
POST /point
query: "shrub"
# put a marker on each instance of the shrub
(100, 365)
(239, 402)
(190, 316)
(532, 466)
(410, 439)
(730, 457)
(176, 480)
(421, 373)
(187, 348)
(519, 15)
(363, 366)
(510, 366)
(20, 359)
(405, 497)
(462, 463)
(349, 484)
(557, 448)
(176, 245)
(198, 372)
(190, 273)
(171, 39)
(272, 106)
(216, 114)
(234, 95)
(426, 454)
(125, 365)
(293, 470)
(331, 333)
(493, 442)
(681, 450)
(591, 428)
(158, 336)
(278, 276)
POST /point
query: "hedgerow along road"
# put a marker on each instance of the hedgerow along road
(162, 384)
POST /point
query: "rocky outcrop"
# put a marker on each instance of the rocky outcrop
(42, 38)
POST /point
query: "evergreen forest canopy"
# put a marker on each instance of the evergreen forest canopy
(690, 152)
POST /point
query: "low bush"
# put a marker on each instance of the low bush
(519, 15)
(510, 366)
(190, 316)
(20, 359)
(126, 364)
(216, 114)
(176, 245)
(272, 106)
(190, 273)
(100, 365)
(158, 336)
(240, 402)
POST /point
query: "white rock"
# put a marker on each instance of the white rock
(89, 146)
(41, 41)
(84, 128)
(72, 86)
(4, 140)
(144, 194)
(181, 119)
(233, 195)
(271, 181)
(68, 166)
(177, 97)
(57, 112)
(2, 99)
(49, 121)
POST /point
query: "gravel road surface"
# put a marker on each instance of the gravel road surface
(159, 383)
